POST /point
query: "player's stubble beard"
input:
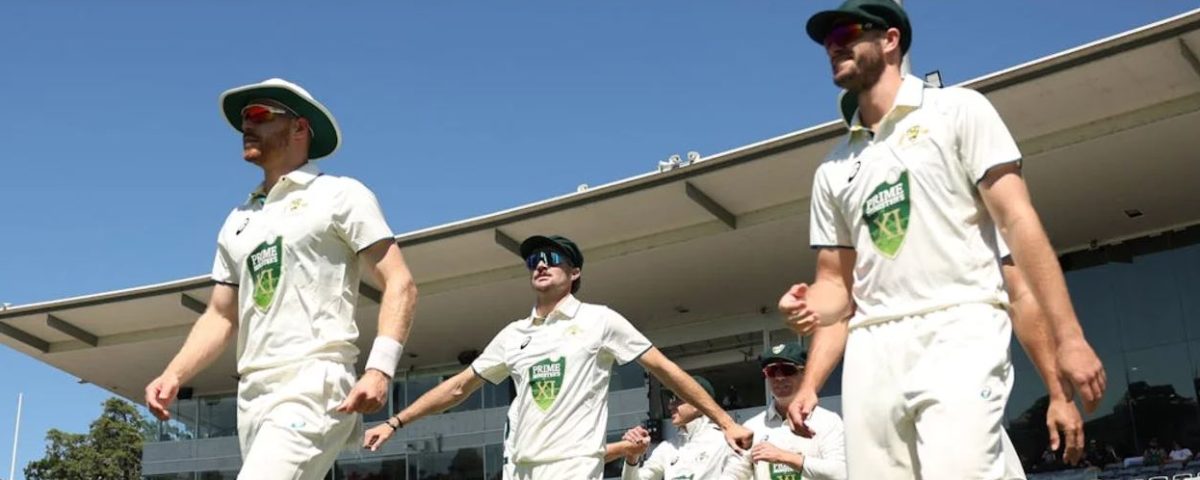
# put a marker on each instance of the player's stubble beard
(259, 147)
(867, 69)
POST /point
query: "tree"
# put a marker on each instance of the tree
(111, 450)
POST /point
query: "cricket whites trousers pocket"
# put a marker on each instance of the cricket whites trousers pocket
(287, 425)
(923, 396)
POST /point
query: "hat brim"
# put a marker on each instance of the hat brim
(821, 23)
(326, 136)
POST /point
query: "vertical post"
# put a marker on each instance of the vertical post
(12, 466)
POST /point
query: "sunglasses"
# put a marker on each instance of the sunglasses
(259, 113)
(848, 33)
(780, 370)
(549, 257)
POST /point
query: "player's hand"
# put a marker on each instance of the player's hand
(368, 395)
(767, 452)
(794, 307)
(1078, 364)
(798, 411)
(377, 436)
(1062, 416)
(738, 437)
(160, 393)
(637, 441)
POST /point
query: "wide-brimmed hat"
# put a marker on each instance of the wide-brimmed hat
(326, 137)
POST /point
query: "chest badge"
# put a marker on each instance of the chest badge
(887, 211)
(913, 134)
(545, 380)
(297, 204)
(266, 266)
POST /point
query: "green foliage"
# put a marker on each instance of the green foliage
(111, 450)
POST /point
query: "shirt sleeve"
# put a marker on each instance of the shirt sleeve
(737, 467)
(492, 364)
(357, 216)
(984, 142)
(224, 269)
(827, 227)
(831, 443)
(621, 340)
(652, 469)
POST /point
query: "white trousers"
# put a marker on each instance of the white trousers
(923, 397)
(579, 468)
(287, 425)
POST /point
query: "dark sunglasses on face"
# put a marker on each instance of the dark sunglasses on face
(550, 257)
(780, 370)
(848, 33)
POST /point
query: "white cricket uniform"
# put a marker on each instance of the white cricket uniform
(293, 254)
(560, 367)
(698, 452)
(927, 369)
(824, 453)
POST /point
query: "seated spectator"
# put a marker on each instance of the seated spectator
(1154, 454)
(1097, 455)
(1179, 453)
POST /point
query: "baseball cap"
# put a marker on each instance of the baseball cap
(883, 12)
(790, 352)
(557, 242)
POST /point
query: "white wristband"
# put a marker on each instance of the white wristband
(385, 355)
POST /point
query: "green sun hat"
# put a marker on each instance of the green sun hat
(326, 136)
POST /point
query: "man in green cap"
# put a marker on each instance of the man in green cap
(560, 358)
(697, 452)
(779, 453)
(287, 270)
(904, 217)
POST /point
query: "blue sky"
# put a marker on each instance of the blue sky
(118, 170)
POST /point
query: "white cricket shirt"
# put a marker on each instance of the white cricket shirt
(906, 200)
(824, 453)
(293, 254)
(698, 452)
(560, 366)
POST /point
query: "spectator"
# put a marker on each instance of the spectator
(1098, 456)
(1179, 453)
(1154, 454)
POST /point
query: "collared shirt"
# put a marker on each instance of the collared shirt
(824, 453)
(698, 452)
(906, 199)
(560, 366)
(292, 252)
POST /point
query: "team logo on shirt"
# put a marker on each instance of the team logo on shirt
(546, 379)
(266, 265)
(886, 212)
(783, 472)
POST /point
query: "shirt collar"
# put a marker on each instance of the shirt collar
(300, 176)
(696, 427)
(910, 95)
(566, 309)
(772, 413)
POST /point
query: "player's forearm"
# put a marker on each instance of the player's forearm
(396, 307)
(1036, 259)
(691, 392)
(206, 341)
(828, 344)
(830, 300)
(616, 450)
(824, 468)
(1033, 332)
(444, 396)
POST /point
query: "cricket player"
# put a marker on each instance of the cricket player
(903, 217)
(560, 358)
(287, 270)
(779, 453)
(698, 452)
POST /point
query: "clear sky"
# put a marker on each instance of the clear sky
(116, 169)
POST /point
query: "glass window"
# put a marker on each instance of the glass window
(374, 469)
(399, 399)
(493, 461)
(170, 476)
(218, 417)
(417, 386)
(738, 385)
(182, 425)
(628, 376)
(498, 395)
(230, 475)
(462, 464)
